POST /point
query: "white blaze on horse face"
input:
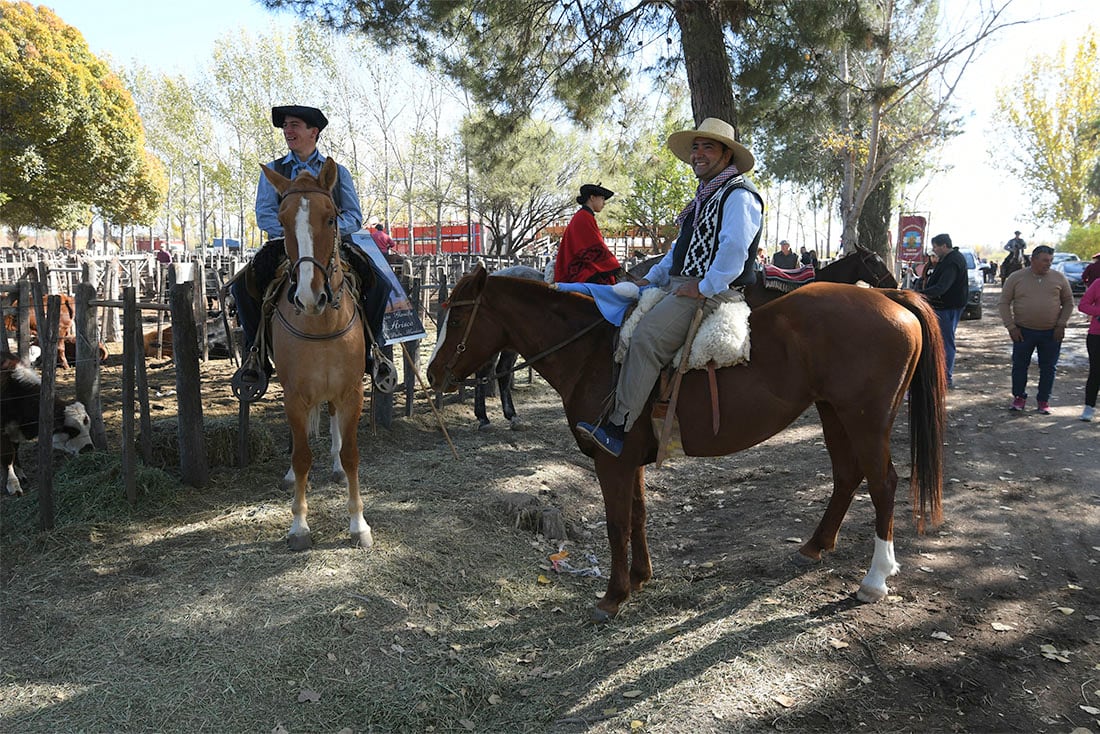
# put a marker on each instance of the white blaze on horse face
(304, 234)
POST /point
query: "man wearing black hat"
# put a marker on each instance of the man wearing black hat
(301, 128)
(583, 256)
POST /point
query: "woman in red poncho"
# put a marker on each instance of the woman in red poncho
(583, 256)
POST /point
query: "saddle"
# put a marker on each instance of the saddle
(721, 339)
(250, 381)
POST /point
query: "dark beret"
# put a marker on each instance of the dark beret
(595, 190)
(312, 116)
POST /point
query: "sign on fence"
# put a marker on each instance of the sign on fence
(401, 322)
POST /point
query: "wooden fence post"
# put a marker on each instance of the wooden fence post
(47, 332)
(193, 466)
(129, 325)
(23, 319)
(87, 363)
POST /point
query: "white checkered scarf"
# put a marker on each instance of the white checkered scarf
(705, 191)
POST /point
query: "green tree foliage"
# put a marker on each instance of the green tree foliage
(660, 183)
(525, 184)
(1049, 123)
(70, 135)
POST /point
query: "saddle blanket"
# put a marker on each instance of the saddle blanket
(722, 337)
(778, 279)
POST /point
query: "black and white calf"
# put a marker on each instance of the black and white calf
(20, 387)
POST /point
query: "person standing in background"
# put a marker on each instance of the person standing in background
(1090, 305)
(1036, 303)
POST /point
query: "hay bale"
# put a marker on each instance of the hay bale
(219, 439)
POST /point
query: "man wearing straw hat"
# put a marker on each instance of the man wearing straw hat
(714, 253)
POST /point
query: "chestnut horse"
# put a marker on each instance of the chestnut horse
(318, 346)
(853, 352)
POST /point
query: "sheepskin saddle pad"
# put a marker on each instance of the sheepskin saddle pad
(722, 337)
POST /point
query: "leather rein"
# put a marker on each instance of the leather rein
(448, 375)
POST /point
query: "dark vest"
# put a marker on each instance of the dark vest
(698, 241)
(286, 170)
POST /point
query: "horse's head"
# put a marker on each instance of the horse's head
(873, 269)
(459, 350)
(308, 215)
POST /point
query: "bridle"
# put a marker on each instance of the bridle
(327, 270)
(867, 257)
(460, 348)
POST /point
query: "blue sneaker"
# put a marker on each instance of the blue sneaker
(608, 437)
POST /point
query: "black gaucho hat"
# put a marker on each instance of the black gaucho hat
(312, 116)
(594, 190)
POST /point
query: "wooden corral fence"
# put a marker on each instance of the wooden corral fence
(113, 295)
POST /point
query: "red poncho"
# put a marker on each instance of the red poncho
(583, 254)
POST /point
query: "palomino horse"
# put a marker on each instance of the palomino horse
(853, 352)
(318, 344)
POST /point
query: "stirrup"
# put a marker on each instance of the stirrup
(249, 382)
(383, 372)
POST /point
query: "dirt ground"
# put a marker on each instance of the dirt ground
(189, 614)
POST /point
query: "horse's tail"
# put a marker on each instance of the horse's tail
(927, 413)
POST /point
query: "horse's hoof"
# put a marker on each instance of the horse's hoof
(340, 477)
(599, 616)
(517, 424)
(299, 542)
(484, 425)
(362, 540)
(804, 561)
(870, 594)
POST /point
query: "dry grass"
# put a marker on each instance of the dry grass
(188, 614)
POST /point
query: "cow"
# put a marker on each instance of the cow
(64, 326)
(20, 388)
(66, 336)
(217, 342)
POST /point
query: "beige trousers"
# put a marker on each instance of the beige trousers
(656, 339)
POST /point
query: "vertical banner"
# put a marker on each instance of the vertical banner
(911, 228)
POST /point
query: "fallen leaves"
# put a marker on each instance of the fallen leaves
(1064, 610)
(307, 695)
(941, 635)
(1001, 626)
(783, 700)
(1050, 652)
(837, 644)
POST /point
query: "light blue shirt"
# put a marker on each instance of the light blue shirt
(350, 217)
(742, 216)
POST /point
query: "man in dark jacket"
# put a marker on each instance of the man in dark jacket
(946, 291)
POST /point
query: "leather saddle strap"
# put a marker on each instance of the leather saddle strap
(712, 379)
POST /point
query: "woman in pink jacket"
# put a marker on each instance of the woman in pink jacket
(1090, 304)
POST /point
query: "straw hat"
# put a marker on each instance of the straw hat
(713, 129)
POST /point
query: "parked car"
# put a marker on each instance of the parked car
(1072, 269)
(1060, 257)
(976, 285)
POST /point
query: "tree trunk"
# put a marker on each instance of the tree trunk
(706, 61)
(874, 219)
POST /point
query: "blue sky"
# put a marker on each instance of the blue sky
(975, 202)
